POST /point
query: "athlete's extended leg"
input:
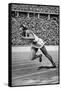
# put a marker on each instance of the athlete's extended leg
(43, 49)
(34, 56)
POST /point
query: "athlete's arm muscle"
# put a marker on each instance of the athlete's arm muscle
(29, 35)
(27, 38)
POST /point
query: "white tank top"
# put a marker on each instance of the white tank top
(39, 42)
(36, 38)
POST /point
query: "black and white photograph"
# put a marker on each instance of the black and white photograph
(34, 47)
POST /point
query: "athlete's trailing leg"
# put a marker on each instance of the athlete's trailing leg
(44, 51)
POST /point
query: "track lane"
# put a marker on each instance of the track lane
(24, 71)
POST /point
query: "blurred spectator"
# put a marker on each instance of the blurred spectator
(46, 29)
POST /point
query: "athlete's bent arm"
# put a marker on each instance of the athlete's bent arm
(27, 38)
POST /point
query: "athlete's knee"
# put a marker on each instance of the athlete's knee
(46, 54)
(49, 56)
(32, 58)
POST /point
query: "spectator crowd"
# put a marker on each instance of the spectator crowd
(46, 29)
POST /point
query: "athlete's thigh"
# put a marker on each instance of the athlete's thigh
(34, 51)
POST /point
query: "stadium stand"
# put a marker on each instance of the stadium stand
(42, 20)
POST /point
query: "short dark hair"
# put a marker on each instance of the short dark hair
(24, 27)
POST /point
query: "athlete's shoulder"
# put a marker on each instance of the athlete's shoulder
(29, 31)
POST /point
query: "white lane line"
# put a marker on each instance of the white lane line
(22, 64)
(33, 74)
(25, 68)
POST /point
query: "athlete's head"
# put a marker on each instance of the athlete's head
(24, 28)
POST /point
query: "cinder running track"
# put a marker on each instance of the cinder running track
(25, 71)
